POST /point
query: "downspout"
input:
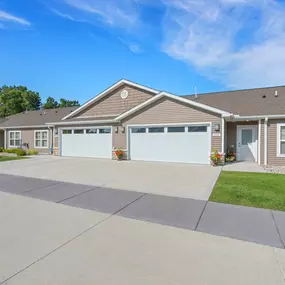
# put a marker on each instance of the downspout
(265, 140)
(259, 142)
(51, 140)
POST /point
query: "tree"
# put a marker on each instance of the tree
(50, 103)
(16, 99)
(68, 103)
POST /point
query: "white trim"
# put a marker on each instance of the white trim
(223, 135)
(25, 127)
(101, 116)
(16, 131)
(105, 92)
(279, 154)
(5, 138)
(265, 140)
(174, 97)
(81, 122)
(48, 142)
(237, 137)
(128, 128)
(259, 142)
(255, 118)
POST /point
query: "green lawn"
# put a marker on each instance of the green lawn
(7, 158)
(261, 190)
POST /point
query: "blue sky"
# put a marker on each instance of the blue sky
(76, 48)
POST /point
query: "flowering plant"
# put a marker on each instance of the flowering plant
(216, 157)
(119, 153)
(231, 156)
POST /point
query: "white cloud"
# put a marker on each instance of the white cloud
(121, 13)
(6, 17)
(63, 15)
(237, 42)
(133, 47)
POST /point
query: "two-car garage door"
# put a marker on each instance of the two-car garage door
(186, 144)
(87, 142)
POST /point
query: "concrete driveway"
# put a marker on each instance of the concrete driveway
(47, 243)
(179, 180)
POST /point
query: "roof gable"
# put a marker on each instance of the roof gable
(106, 92)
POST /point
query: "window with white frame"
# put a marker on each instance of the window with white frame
(281, 139)
(15, 138)
(41, 139)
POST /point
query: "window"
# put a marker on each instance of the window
(105, 131)
(281, 139)
(78, 131)
(156, 130)
(15, 139)
(67, 132)
(41, 139)
(91, 131)
(176, 129)
(246, 137)
(197, 129)
(138, 130)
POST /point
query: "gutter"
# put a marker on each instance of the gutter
(82, 122)
(259, 117)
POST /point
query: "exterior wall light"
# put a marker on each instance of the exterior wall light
(217, 127)
(123, 130)
(116, 130)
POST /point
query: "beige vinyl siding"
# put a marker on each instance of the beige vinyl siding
(112, 104)
(119, 139)
(28, 135)
(168, 111)
(272, 143)
(1, 138)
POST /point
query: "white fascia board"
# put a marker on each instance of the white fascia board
(105, 92)
(174, 97)
(24, 127)
(241, 118)
(81, 122)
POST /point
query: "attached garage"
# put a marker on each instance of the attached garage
(175, 143)
(87, 142)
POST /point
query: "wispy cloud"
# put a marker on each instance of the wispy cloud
(62, 15)
(6, 17)
(237, 42)
(133, 47)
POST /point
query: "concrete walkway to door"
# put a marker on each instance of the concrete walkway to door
(244, 166)
(171, 179)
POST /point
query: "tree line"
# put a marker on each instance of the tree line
(16, 99)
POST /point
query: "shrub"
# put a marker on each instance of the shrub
(32, 152)
(2, 149)
(19, 152)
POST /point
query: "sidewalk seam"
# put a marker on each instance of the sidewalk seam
(276, 226)
(195, 229)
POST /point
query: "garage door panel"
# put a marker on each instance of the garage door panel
(97, 145)
(185, 147)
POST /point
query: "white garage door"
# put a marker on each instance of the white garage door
(186, 144)
(87, 142)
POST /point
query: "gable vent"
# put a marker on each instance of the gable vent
(124, 94)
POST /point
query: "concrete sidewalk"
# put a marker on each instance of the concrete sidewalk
(45, 243)
(249, 224)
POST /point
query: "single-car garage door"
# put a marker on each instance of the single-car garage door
(87, 142)
(186, 144)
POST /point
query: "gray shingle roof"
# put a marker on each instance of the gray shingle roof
(36, 118)
(250, 102)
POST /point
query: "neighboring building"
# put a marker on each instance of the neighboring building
(152, 125)
(29, 129)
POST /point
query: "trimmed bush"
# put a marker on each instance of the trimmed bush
(17, 151)
(32, 152)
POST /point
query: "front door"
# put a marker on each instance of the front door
(247, 143)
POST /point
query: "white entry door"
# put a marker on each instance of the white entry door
(186, 144)
(247, 143)
(87, 142)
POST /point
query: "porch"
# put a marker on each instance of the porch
(244, 139)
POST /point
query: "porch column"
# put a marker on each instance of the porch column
(223, 135)
(259, 142)
(265, 140)
(5, 138)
